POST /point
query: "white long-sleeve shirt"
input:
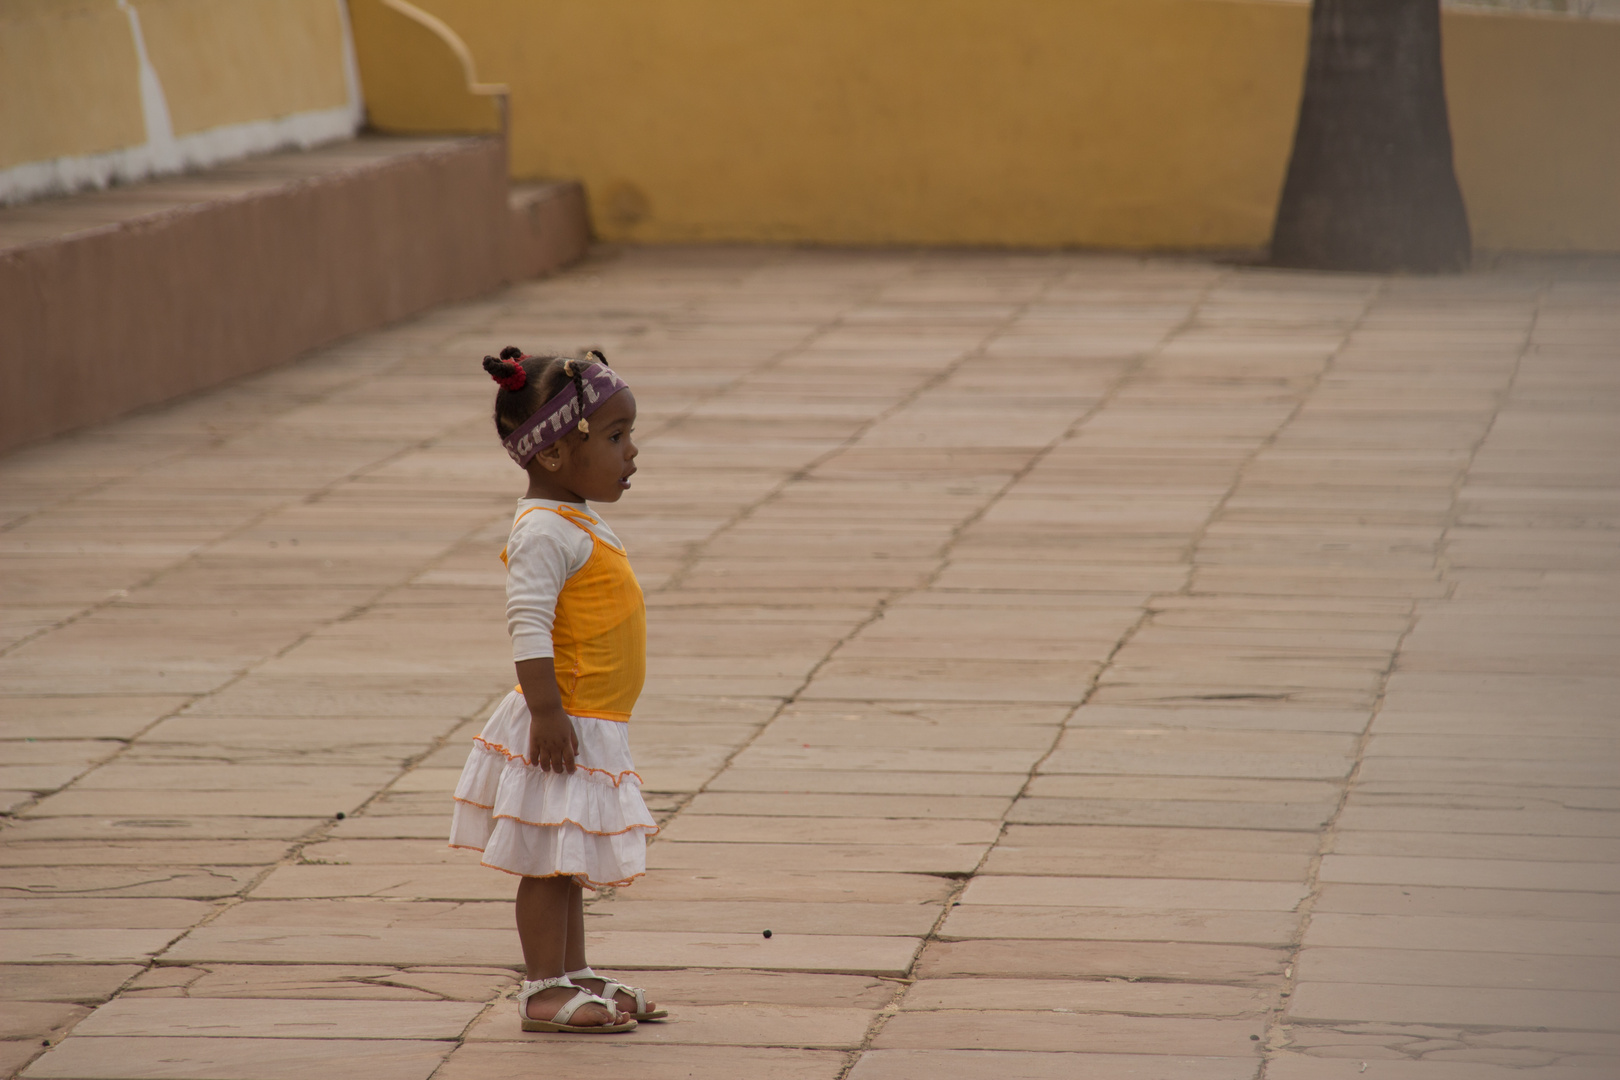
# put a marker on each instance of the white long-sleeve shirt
(543, 552)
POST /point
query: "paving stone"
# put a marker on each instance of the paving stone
(1170, 841)
(932, 807)
(1475, 1006)
(236, 1059)
(468, 881)
(1554, 938)
(999, 1030)
(1474, 873)
(82, 946)
(1301, 1067)
(738, 987)
(822, 830)
(846, 781)
(498, 948)
(378, 823)
(90, 716)
(825, 1028)
(39, 1020)
(1476, 846)
(996, 1064)
(892, 759)
(1245, 866)
(367, 914)
(143, 803)
(321, 982)
(17, 1053)
(1087, 996)
(397, 852)
(1140, 894)
(1280, 765)
(1298, 817)
(1441, 967)
(55, 912)
(1178, 788)
(279, 1019)
(1119, 924)
(516, 1060)
(205, 778)
(919, 724)
(848, 916)
(815, 953)
(300, 734)
(87, 983)
(142, 853)
(1505, 903)
(1183, 962)
(770, 858)
(203, 882)
(171, 829)
(701, 882)
(345, 945)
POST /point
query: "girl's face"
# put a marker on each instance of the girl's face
(597, 468)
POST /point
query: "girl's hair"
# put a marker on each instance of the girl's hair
(543, 378)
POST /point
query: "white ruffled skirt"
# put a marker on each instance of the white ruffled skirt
(591, 824)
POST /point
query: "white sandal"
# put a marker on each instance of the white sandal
(611, 991)
(559, 1022)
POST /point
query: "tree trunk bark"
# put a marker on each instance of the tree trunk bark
(1370, 185)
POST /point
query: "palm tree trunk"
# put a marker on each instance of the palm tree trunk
(1371, 185)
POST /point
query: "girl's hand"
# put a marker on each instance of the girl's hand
(553, 745)
(552, 742)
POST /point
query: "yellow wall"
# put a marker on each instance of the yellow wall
(1115, 123)
(70, 77)
(68, 80)
(415, 82)
(1535, 116)
(228, 61)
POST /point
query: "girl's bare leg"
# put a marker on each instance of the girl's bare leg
(546, 910)
(575, 954)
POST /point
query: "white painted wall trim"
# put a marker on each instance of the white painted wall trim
(165, 154)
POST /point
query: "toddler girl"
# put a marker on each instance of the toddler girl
(549, 792)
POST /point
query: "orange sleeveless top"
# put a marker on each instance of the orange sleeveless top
(599, 636)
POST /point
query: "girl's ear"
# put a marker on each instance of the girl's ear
(550, 459)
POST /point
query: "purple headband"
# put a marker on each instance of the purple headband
(563, 413)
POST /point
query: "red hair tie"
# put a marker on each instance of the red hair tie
(515, 381)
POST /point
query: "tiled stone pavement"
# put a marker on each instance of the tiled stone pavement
(1085, 666)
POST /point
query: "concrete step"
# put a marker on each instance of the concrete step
(118, 299)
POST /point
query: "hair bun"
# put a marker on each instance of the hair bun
(511, 352)
(507, 372)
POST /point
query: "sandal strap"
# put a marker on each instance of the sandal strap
(530, 989)
(583, 997)
(612, 989)
(570, 1007)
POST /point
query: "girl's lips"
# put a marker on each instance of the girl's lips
(624, 481)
